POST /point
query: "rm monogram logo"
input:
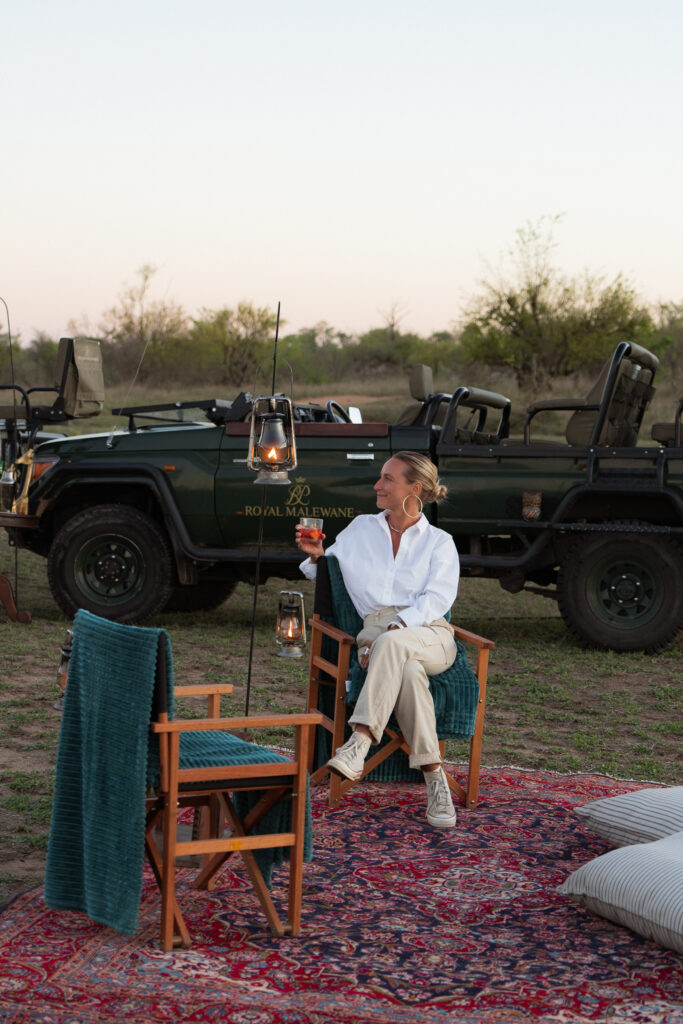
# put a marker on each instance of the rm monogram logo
(298, 494)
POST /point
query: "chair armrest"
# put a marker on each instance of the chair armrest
(229, 724)
(197, 690)
(212, 690)
(331, 631)
(473, 638)
(338, 634)
(563, 404)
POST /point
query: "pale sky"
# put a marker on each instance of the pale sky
(340, 157)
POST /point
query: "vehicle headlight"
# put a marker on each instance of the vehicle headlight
(41, 464)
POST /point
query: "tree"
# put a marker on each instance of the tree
(233, 344)
(667, 342)
(140, 325)
(538, 322)
(318, 354)
(387, 347)
(34, 364)
(439, 350)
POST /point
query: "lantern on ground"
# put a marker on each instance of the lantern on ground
(272, 449)
(291, 624)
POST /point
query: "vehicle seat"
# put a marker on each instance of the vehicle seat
(631, 390)
(421, 387)
(669, 434)
(615, 405)
(428, 409)
(461, 435)
(79, 385)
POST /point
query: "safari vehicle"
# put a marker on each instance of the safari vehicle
(162, 513)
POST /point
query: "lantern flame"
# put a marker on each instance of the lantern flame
(272, 455)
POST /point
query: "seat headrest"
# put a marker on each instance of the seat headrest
(421, 382)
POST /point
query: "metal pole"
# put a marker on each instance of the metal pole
(260, 540)
(256, 583)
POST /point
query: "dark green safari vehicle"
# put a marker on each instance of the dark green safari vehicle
(164, 514)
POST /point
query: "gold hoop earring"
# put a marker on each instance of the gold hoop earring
(406, 512)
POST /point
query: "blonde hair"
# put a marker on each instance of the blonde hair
(419, 469)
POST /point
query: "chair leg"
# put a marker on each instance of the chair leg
(156, 864)
(296, 854)
(211, 824)
(255, 875)
(214, 862)
(169, 906)
(472, 795)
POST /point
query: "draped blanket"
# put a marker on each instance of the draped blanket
(97, 833)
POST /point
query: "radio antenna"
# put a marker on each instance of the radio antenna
(14, 411)
(110, 439)
(277, 332)
(11, 356)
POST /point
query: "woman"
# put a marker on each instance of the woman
(402, 576)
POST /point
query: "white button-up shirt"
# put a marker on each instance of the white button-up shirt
(422, 580)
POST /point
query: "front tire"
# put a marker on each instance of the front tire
(113, 561)
(623, 591)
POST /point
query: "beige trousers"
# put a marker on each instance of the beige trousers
(396, 681)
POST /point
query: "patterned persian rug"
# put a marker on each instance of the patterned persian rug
(402, 924)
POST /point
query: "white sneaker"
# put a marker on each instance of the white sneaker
(350, 758)
(440, 810)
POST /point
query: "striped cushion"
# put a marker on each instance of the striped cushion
(639, 887)
(639, 817)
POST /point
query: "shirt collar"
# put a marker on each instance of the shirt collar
(421, 525)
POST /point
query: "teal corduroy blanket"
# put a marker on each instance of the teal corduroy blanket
(106, 760)
(97, 833)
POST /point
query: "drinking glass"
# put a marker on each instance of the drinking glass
(311, 529)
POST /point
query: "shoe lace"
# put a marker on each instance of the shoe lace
(354, 745)
(439, 794)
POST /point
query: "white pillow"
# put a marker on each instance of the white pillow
(640, 887)
(638, 817)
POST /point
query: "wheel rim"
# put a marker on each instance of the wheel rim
(110, 569)
(625, 593)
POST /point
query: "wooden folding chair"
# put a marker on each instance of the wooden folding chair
(126, 766)
(231, 767)
(333, 661)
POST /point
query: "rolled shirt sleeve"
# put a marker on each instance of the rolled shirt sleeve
(309, 568)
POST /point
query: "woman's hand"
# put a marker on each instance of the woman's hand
(313, 548)
(364, 655)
